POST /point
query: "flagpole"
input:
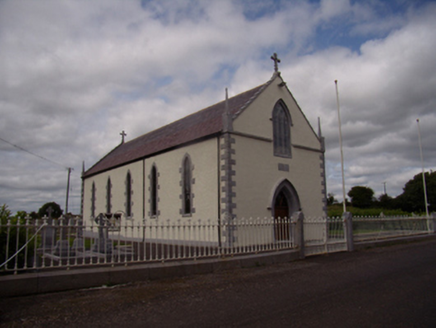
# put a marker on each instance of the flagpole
(422, 165)
(68, 190)
(340, 146)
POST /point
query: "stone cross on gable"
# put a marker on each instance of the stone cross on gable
(276, 61)
(123, 134)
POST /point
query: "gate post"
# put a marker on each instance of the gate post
(432, 222)
(298, 220)
(348, 230)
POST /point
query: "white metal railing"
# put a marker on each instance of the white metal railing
(375, 228)
(66, 243)
(324, 235)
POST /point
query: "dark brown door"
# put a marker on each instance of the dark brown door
(281, 217)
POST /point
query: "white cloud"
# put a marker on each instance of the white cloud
(332, 8)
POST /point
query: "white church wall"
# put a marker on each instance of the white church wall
(258, 174)
(204, 186)
(306, 177)
(87, 190)
(118, 191)
(118, 179)
(100, 196)
(254, 174)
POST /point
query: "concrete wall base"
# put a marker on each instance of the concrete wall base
(62, 280)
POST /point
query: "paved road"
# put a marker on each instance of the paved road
(391, 286)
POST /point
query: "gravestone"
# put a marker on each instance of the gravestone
(102, 243)
(49, 233)
(77, 246)
(63, 224)
(62, 248)
(76, 225)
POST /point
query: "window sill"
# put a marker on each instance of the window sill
(283, 155)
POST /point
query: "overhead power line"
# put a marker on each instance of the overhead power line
(28, 151)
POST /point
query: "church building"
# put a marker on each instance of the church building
(249, 156)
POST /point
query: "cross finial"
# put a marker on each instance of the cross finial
(123, 134)
(276, 61)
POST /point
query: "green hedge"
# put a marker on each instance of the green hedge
(5, 216)
(337, 210)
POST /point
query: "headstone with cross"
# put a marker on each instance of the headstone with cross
(276, 61)
(102, 244)
(49, 234)
(78, 242)
(63, 244)
(63, 224)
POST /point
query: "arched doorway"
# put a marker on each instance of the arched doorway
(284, 203)
(281, 217)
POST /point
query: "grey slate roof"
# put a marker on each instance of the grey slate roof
(202, 124)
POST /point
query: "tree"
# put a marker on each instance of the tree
(361, 197)
(34, 215)
(412, 198)
(43, 211)
(331, 199)
(385, 201)
(10, 233)
(21, 215)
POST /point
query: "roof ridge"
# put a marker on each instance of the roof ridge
(101, 159)
(200, 124)
(204, 109)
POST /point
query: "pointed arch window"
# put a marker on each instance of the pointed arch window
(153, 191)
(281, 130)
(93, 199)
(128, 195)
(108, 195)
(186, 186)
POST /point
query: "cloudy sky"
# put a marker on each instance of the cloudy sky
(74, 74)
